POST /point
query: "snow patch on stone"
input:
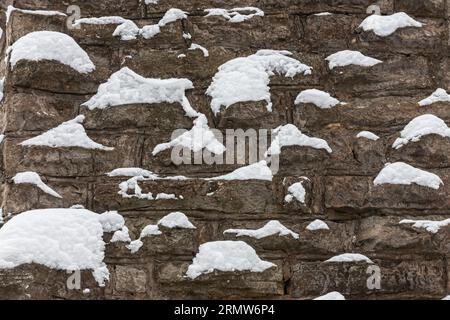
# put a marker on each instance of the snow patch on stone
(331, 296)
(30, 177)
(236, 14)
(255, 171)
(195, 46)
(247, 78)
(319, 98)
(347, 57)
(272, 228)
(317, 225)
(176, 220)
(349, 257)
(404, 174)
(368, 135)
(296, 191)
(384, 26)
(226, 256)
(430, 226)
(440, 95)
(50, 46)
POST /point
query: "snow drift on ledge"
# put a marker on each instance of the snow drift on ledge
(429, 225)
(349, 257)
(319, 98)
(236, 14)
(226, 256)
(62, 239)
(127, 87)
(271, 228)
(422, 126)
(384, 26)
(347, 57)
(68, 134)
(440, 95)
(247, 78)
(30, 177)
(404, 174)
(51, 46)
(331, 296)
(255, 171)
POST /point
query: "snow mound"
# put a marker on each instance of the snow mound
(176, 220)
(247, 78)
(198, 138)
(51, 46)
(121, 235)
(368, 135)
(2, 86)
(255, 171)
(272, 228)
(317, 225)
(67, 134)
(289, 135)
(430, 226)
(131, 172)
(319, 98)
(236, 14)
(63, 239)
(128, 30)
(404, 174)
(348, 57)
(422, 126)
(127, 87)
(350, 257)
(440, 95)
(226, 256)
(384, 26)
(296, 191)
(195, 46)
(331, 296)
(30, 177)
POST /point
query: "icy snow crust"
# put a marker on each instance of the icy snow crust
(30, 177)
(236, 14)
(347, 57)
(67, 134)
(63, 239)
(290, 135)
(247, 78)
(226, 256)
(384, 26)
(272, 228)
(51, 46)
(127, 87)
(404, 174)
(422, 126)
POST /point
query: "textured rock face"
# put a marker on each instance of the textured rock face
(362, 218)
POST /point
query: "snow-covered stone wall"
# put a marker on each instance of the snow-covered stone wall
(360, 203)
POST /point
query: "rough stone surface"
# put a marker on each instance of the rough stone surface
(362, 218)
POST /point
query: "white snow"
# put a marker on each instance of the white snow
(51, 46)
(198, 138)
(296, 191)
(30, 177)
(176, 220)
(384, 26)
(247, 78)
(226, 256)
(422, 126)
(272, 228)
(446, 298)
(319, 98)
(133, 184)
(2, 87)
(235, 14)
(10, 10)
(440, 95)
(131, 172)
(195, 46)
(320, 14)
(350, 257)
(149, 230)
(368, 135)
(151, 1)
(331, 296)
(2, 137)
(255, 171)
(100, 20)
(67, 134)
(317, 225)
(127, 87)
(404, 174)
(289, 135)
(121, 235)
(128, 30)
(347, 57)
(63, 239)
(430, 226)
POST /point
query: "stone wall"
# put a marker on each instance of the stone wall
(363, 218)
